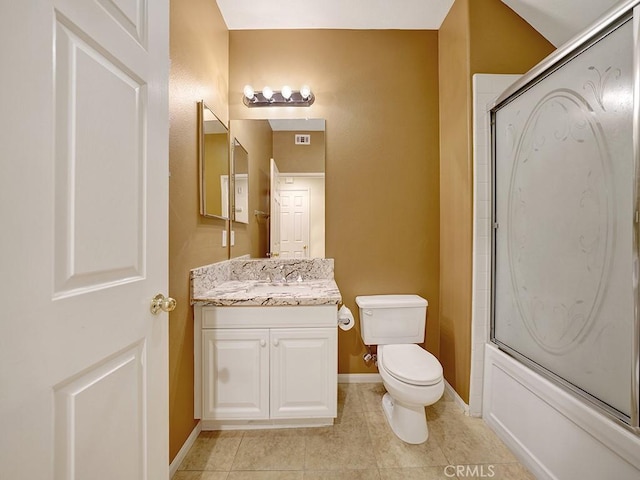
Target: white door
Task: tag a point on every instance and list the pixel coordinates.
(294, 223)
(235, 374)
(83, 243)
(304, 372)
(274, 214)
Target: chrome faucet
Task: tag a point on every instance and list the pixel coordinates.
(279, 277)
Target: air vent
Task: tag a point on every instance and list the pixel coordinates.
(303, 139)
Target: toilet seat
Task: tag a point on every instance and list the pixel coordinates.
(409, 363)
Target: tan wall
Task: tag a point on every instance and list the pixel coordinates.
(479, 36)
(381, 196)
(299, 158)
(455, 198)
(513, 47)
(199, 70)
(216, 161)
(257, 138)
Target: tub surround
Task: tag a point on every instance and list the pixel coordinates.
(265, 282)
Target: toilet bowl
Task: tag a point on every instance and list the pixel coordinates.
(413, 380)
(412, 376)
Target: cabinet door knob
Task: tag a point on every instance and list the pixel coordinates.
(263, 343)
(276, 342)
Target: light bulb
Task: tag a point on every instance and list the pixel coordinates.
(305, 92)
(286, 92)
(248, 92)
(267, 93)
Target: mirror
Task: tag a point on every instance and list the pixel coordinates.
(295, 182)
(240, 170)
(213, 153)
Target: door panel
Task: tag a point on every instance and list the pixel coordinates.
(130, 15)
(303, 372)
(236, 374)
(94, 400)
(99, 138)
(294, 223)
(83, 204)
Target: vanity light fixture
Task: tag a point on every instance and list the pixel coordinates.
(278, 98)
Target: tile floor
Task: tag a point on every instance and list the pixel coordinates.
(360, 445)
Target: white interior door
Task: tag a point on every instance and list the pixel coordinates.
(83, 249)
(294, 223)
(274, 214)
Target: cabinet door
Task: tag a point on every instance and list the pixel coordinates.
(235, 374)
(304, 372)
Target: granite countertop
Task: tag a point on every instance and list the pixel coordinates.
(265, 293)
(265, 282)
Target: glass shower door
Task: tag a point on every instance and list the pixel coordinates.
(564, 212)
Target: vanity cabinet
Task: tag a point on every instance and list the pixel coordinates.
(267, 363)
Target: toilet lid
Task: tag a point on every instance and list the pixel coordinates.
(411, 364)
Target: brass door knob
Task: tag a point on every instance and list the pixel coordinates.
(162, 303)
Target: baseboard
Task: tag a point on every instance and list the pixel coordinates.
(456, 398)
(191, 439)
(359, 378)
(212, 425)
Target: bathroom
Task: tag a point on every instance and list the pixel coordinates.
(399, 178)
(399, 175)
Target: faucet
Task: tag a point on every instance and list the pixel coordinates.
(279, 276)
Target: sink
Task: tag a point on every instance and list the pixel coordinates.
(278, 288)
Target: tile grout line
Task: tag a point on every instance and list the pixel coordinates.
(235, 454)
(364, 401)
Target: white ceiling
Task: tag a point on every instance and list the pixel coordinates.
(339, 14)
(290, 125)
(557, 20)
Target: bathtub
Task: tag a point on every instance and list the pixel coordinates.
(553, 433)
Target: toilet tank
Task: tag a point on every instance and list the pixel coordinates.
(387, 319)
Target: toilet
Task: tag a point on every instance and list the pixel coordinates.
(411, 375)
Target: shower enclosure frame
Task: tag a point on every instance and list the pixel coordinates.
(627, 11)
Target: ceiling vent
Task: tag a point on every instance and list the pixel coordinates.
(303, 139)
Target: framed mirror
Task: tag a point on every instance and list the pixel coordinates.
(240, 198)
(287, 165)
(213, 153)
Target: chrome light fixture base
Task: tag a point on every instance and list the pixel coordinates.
(278, 100)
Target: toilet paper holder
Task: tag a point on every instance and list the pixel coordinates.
(345, 318)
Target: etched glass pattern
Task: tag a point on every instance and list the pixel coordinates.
(563, 173)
